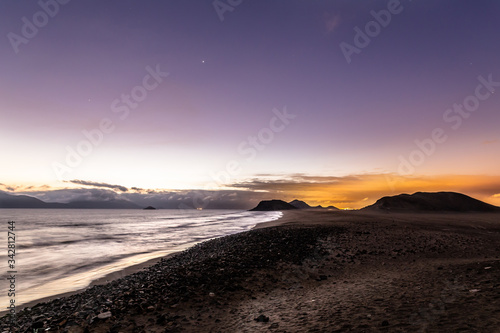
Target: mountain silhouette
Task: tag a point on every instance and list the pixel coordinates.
(24, 201)
(270, 205)
(432, 202)
(299, 204)
(303, 205)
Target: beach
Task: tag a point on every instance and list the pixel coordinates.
(310, 271)
(60, 252)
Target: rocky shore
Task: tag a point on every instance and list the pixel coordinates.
(316, 272)
(205, 273)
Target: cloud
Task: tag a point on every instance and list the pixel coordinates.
(8, 188)
(73, 194)
(489, 142)
(95, 184)
(190, 199)
(185, 199)
(332, 21)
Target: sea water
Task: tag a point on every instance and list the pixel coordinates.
(64, 250)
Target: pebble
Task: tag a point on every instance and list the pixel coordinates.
(104, 315)
(262, 319)
(37, 324)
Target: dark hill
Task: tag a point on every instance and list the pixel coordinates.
(329, 207)
(24, 201)
(299, 204)
(269, 205)
(303, 205)
(432, 202)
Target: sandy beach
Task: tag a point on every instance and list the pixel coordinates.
(311, 271)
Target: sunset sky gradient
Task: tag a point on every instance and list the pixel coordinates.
(349, 127)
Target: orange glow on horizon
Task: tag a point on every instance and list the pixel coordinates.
(360, 191)
(349, 192)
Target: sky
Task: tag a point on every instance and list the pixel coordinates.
(333, 102)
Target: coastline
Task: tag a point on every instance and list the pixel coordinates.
(100, 281)
(109, 277)
(308, 270)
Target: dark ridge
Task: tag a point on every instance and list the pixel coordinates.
(329, 207)
(270, 205)
(24, 201)
(432, 202)
(299, 204)
(303, 205)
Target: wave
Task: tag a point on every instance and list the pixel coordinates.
(67, 242)
(60, 255)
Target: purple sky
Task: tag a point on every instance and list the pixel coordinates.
(226, 78)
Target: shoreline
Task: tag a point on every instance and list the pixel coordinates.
(110, 277)
(99, 281)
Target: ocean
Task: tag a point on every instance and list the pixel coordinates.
(64, 250)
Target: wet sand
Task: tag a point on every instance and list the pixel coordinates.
(311, 271)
